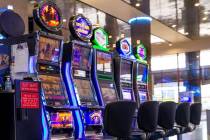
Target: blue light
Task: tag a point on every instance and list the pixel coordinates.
(45, 126)
(31, 64)
(74, 100)
(140, 19)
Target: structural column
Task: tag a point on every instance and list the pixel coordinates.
(141, 30)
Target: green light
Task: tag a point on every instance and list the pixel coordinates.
(141, 53)
(100, 39)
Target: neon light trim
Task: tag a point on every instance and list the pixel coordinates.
(100, 39)
(45, 126)
(141, 19)
(141, 53)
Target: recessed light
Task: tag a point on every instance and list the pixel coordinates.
(79, 10)
(137, 4)
(170, 44)
(197, 4)
(204, 18)
(10, 7)
(64, 20)
(174, 25)
(110, 36)
(206, 12)
(186, 33)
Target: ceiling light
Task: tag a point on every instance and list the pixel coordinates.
(197, 4)
(110, 36)
(64, 20)
(204, 18)
(140, 19)
(137, 4)
(174, 25)
(170, 44)
(186, 33)
(206, 12)
(10, 7)
(79, 10)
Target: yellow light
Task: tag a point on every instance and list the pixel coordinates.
(137, 4)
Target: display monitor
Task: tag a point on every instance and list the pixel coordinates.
(81, 57)
(61, 120)
(108, 91)
(104, 61)
(126, 68)
(53, 90)
(127, 94)
(83, 89)
(49, 49)
(142, 73)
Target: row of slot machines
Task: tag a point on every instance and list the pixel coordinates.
(77, 78)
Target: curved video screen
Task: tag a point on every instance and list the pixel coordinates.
(142, 73)
(108, 91)
(83, 89)
(126, 69)
(104, 61)
(81, 57)
(49, 49)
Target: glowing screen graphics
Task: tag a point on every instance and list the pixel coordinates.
(126, 69)
(127, 94)
(61, 120)
(48, 16)
(142, 73)
(49, 49)
(124, 47)
(100, 39)
(93, 117)
(108, 91)
(81, 57)
(81, 27)
(53, 90)
(104, 61)
(4, 60)
(141, 53)
(84, 90)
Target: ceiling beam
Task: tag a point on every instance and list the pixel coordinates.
(124, 11)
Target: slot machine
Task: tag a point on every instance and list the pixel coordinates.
(102, 68)
(77, 74)
(123, 69)
(140, 80)
(57, 113)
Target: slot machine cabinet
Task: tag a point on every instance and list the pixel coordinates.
(76, 69)
(123, 70)
(140, 80)
(102, 68)
(57, 115)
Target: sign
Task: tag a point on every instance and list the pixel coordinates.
(80, 27)
(141, 52)
(48, 16)
(124, 47)
(29, 92)
(29, 100)
(100, 39)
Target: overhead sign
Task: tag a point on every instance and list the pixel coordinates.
(100, 39)
(80, 27)
(124, 47)
(48, 16)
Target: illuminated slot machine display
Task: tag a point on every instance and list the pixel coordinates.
(123, 70)
(140, 80)
(77, 74)
(102, 68)
(57, 111)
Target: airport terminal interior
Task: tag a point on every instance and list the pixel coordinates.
(105, 69)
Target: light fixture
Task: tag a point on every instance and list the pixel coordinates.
(10, 7)
(79, 10)
(140, 19)
(173, 26)
(64, 20)
(197, 4)
(206, 12)
(170, 44)
(204, 18)
(186, 33)
(110, 36)
(137, 4)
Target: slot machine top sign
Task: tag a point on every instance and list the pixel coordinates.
(124, 47)
(80, 27)
(48, 16)
(100, 39)
(141, 53)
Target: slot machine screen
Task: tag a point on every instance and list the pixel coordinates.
(142, 73)
(104, 61)
(61, 120)
(108, 91)
(49, 49)
(127, 94)
(126, 68)
(53, 90)
(81, 57)
(83, 88)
